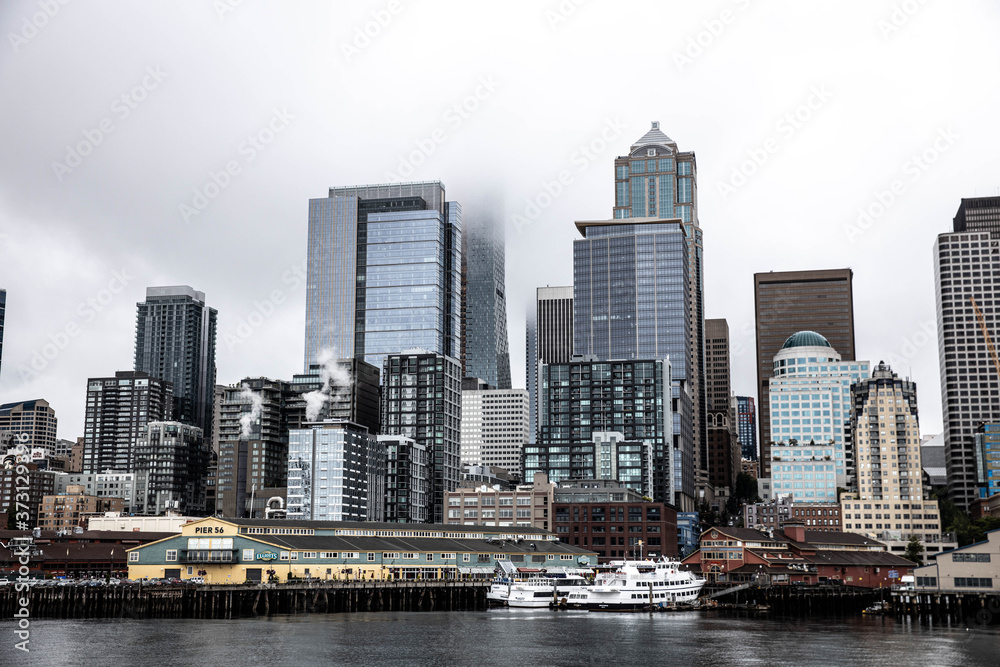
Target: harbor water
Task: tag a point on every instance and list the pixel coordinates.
(505, 637)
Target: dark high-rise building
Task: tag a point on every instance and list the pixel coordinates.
(253, 442)
(549, 341)
(422, 399)
(608, 456)
(967, 267)
(721, 453)
(406, 471)
(3, 310)
(174, 459)
(635, 398)
(384, 272)
(342, 390)
(175, 342)
(656, 180)
(118, 409)
(746, 413)
(787, 302)
(485, 351)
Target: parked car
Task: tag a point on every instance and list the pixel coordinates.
(196, 580)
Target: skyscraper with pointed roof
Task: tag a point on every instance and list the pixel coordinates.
(656, 180)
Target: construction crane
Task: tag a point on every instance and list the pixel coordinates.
(986, 334)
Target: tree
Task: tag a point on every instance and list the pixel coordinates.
(914, 549)
(745, 490)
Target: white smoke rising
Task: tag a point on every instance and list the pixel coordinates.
(256, 407)
(336, 383)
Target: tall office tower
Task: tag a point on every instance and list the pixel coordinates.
(253, 442)
(722, 455)
(485, 351)
(421, 399)
(175, 341)
(810, 394)
(630, 301)
(632, 397)
(118, 409)
(3, 310)
(787, 302)
(494, 428)
(384, 272)
(549, 340)
(406, 471)
(31, 423)
(336, 472)
(656, 180)
(218, 394)
(886, 438)
(746, 414)
(174, 458)
(967, 267)
(341, 389)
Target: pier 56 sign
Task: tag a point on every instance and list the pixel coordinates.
(267, 556)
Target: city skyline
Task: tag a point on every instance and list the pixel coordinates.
(245, 245)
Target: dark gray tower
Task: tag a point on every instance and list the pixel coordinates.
(175, 342)
(485, 351)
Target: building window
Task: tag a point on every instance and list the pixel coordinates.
(133, 557)
(171, 555)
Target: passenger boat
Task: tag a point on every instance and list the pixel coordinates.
(530, 587)
(544, 590)
(638, 584)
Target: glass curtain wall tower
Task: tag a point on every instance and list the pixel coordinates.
(384, 266)
(656, 180)
(485, 351)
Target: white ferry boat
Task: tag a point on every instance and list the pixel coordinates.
(530, 587)
(544, 590)
(638, 584)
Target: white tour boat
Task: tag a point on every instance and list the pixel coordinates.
(530, 587)
(638, 584)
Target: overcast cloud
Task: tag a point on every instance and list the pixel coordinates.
(207, 126)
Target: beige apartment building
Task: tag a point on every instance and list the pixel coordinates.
(526, 505)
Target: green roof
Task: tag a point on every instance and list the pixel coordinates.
(806, 339)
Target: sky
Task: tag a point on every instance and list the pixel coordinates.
(178, 143)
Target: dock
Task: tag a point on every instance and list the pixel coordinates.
(243, 601)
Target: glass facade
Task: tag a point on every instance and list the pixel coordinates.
(747, 418)
(988, 459)
(582, 399)
(336, 472)
(810, 401)
(485, 350)
(383, 272)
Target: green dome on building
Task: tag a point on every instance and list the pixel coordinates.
(806, 339)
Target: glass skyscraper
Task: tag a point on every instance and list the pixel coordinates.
(175, 342)
(485, 351)
(655, 180)
(384, 267)
(630, 301)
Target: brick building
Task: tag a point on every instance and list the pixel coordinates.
(613, 520)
